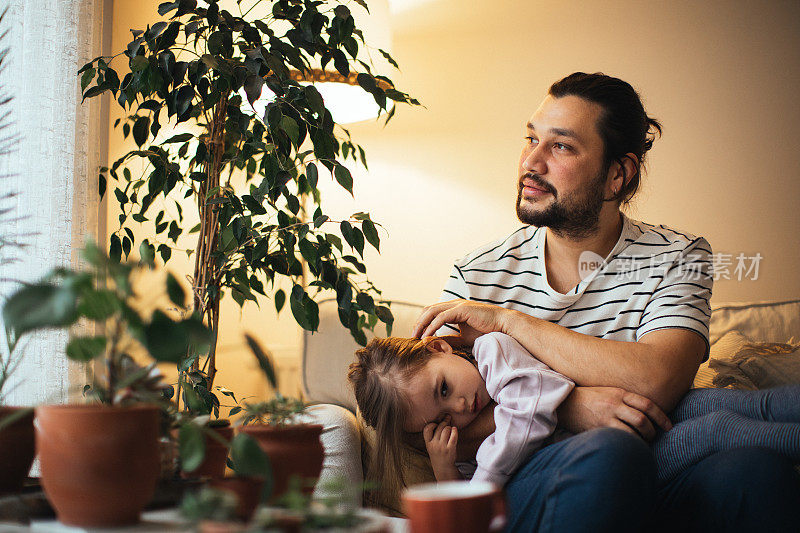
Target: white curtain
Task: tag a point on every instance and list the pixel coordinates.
(54, 168)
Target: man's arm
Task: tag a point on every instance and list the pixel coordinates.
(659, 366)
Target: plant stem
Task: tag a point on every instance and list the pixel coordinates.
(206, 284)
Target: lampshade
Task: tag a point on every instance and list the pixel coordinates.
(347, 102)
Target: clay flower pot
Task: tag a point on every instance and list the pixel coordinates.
(99, 464)
(213, 465)
(247, 491)
(16, 450)
(292, 450)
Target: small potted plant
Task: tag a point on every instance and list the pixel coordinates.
(100, 461)
(232, 499)
(203, 441)
(293, 447)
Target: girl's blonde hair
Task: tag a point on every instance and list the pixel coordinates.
(376, 376)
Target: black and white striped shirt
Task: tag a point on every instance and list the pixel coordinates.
(654, 278)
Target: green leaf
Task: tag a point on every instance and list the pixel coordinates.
(169, 340)
(87, 77)
(174, 231)
(385, 314)
(344, 178)
(40, 306)
(290, 127)
(263, 359)
(165, 251)
(252, 88)
(175, 291)
(315, 100)
(280, 299)
(140, 128)
(365, 302)
(368, 227)
(191, 446)
(99, 304)
(85, 348)
(181, 137)
(250, 460)
(388, 58)
(139, 63)
(312, 175)
(147, 252)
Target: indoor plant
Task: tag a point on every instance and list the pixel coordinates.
(293, 447)
(253, 179)
(100, 462)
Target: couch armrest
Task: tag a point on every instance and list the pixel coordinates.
(341, 439)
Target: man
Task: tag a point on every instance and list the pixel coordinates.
(622, 308)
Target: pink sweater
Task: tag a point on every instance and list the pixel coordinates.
(527, 393)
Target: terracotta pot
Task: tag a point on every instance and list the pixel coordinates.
(213, 465)
(99, 464)
(247, 491)
(16, 450)
(292, 450)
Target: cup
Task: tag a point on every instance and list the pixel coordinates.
(454, 507)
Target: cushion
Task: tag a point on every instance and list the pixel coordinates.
(328, 352)
(758, 321)
(724, 349)
(341, 439)
(759, 366)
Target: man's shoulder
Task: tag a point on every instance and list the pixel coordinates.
(517, 245)
(647, 237)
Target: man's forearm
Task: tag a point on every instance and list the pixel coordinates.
(659, 373)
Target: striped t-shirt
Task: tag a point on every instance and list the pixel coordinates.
(654, 278)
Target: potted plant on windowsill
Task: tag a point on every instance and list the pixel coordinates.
(100, 461)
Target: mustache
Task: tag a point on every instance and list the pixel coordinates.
(538, 181)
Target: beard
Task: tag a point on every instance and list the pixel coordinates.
(575, 216)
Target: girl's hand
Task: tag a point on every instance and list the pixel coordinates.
(440, 441)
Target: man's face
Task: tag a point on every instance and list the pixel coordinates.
(562, 178)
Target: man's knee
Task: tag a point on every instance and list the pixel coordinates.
(600, 480)
(621, 463)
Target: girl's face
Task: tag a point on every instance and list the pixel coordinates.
(446, 385)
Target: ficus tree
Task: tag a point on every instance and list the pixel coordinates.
(186, 83)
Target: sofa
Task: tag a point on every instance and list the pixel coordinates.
(753, 345)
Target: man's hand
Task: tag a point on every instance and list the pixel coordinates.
(473, 318)
(440, 441)
(593, 407)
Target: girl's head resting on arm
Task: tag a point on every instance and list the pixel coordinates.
(403, 384)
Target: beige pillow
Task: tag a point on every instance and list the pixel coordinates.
(722, 350)
(759, 366)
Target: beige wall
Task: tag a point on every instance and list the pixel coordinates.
(721, 76)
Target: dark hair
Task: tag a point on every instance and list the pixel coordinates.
(376, 377)
(624, 125)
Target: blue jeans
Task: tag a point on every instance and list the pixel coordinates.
(605, 480)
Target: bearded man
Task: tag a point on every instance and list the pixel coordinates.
(622, 308)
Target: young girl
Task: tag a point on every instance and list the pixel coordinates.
(411, 385)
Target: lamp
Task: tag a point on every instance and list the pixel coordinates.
(346, 101)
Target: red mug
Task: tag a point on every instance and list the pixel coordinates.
(454, 507)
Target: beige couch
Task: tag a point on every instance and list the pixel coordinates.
(766, 329)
